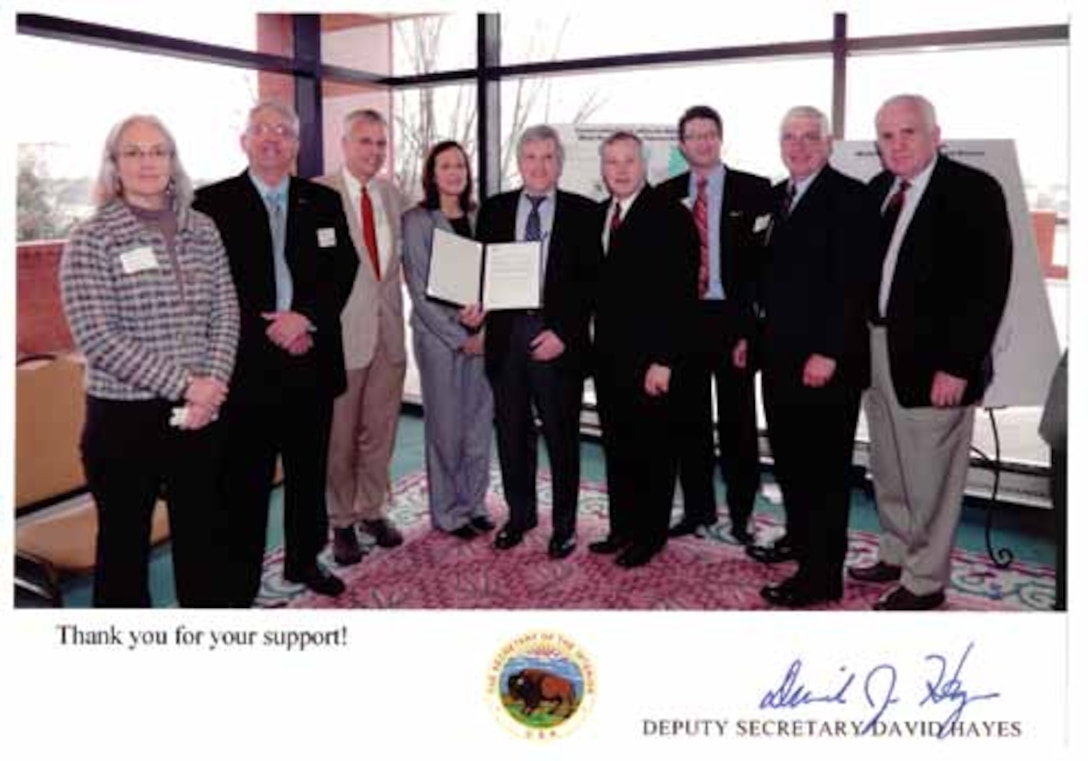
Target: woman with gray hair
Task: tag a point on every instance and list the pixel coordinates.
(148, 295)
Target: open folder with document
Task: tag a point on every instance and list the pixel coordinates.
(496, 275)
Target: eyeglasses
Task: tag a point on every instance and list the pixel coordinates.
(804, 137)
(136, 153)
(263, 129)
(694, 137)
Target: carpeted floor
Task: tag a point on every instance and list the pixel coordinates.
(434, 570)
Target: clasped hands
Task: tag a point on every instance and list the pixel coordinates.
(545, 346)
(203, 397)
(290, 331)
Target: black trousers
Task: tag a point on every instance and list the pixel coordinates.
(297, 429)
(554, 390)
(130, 455)
(711, 362)
(812, 438)
(639, 433)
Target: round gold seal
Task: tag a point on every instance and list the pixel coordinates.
(541, 685)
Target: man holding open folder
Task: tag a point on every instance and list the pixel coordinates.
(535, 358)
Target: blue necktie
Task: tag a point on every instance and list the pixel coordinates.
(278, 225)
(532, 223)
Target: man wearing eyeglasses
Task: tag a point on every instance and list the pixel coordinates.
(731, 209)
(815, 359)
(293, 266)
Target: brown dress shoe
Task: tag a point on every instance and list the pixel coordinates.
(385, 533)
(345, 546)
(878, 573)
(902, 598)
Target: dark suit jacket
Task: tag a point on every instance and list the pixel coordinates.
(819, 273)
(647, 283)
(951, 282)
(322, 276)
(573, 253)
(746, 197)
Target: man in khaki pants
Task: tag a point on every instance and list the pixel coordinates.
(365, 417)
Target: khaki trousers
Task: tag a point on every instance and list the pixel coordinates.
(919, 459)
(364, 431)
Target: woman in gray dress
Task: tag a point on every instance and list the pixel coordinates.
(457, 406)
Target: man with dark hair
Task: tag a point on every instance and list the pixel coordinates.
(293, 265)
(731, 210)
(536, 358)
(946, 248)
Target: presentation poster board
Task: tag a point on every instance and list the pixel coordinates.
(1025, 349)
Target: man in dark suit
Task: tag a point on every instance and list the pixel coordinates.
(818, 275)
(644, 299)
(729, 207)
(293, 265)
(947, 261)
(535, 359)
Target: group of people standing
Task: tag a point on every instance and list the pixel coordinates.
(275, 328)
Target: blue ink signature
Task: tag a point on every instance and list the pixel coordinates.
(879, 690)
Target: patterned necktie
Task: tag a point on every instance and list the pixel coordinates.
(787, 204)
(532, 223)
(278, 226)
(370, 235)
(700, 213)
(891, 215)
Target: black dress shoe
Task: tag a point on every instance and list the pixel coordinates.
(561, 547)
(797, 593)
(466, 532)
(384, 533)
(779, 552)
(686, 527)
(508, 538)
(636, 555)
(878, 573)
(482, 523)
(743, 536)
(318, 580)
(607, 546)
(345, 546)
(902, 598)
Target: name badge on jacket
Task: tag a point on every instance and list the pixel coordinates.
(138, 260)
(326, 237)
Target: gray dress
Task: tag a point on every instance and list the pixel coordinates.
(457, 406)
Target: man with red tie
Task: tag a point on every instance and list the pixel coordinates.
(729, 207)
(645, 295)
(946, 248)
(364, 424)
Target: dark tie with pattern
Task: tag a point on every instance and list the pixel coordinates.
(787, 204)
(701, 214)
(891, 215)
(532, 223)
(614, 225)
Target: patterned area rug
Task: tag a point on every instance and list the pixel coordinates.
(434, 570)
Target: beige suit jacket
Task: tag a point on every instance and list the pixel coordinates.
(375, 310)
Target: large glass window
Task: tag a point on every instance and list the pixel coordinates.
(606, 29)
(423, 116)
(751, 97)
(60, 142)
(234, 27)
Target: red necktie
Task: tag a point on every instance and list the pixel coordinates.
(699, 211)
(370, 236)
(614, 225)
